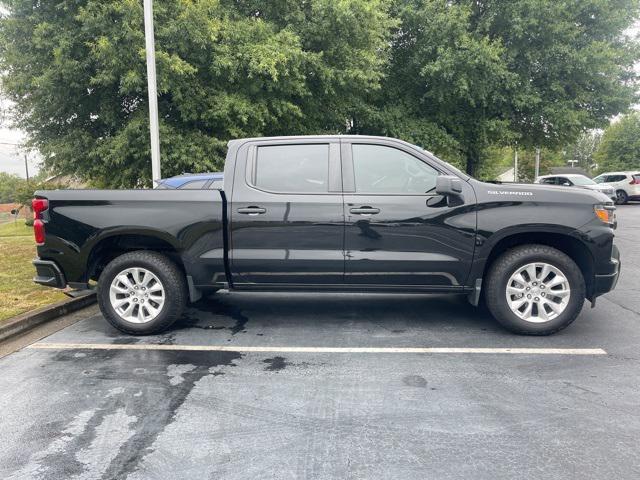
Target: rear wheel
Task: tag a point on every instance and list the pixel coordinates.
(141, 292)
(621, 197)
(535, 290)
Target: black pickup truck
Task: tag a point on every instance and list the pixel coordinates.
(332, 213)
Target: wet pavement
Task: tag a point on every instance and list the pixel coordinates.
(224, 394)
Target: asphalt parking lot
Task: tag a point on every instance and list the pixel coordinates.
(333, 386)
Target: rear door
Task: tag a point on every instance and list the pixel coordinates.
(287, 218)
(398, 231)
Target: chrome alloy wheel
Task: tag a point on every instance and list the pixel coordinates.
(137, 295)
(538, 292)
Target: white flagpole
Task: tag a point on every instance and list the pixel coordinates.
(153, 91)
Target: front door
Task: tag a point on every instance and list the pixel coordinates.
(287, 219)
(398, 231)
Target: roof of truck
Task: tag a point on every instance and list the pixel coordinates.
(327, 137)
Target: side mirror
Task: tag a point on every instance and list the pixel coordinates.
(448, 185)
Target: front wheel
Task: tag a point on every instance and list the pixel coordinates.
(141, 292)
(621, 197)
(535, 290)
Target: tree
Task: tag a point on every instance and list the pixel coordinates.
(9, 184)
(467, 74)
(583, 150)
(620, 146)
(574, 64)
(527, 160)
(445, 85)
(454, 76)
(226, 69)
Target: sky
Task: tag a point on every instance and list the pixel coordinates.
(12, 157)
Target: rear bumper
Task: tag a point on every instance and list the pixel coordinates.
(49, 274)
(606, 283)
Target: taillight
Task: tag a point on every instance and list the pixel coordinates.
(38, 231)
(635, 180)
(39, 205)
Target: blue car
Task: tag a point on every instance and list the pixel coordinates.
(193, 181)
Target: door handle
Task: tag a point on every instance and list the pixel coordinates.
(364, 211)
(252, 210)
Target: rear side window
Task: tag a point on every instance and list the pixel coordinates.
(387, 170)
(293, 168)
(616, 178)
(549, 181)
(194, 185)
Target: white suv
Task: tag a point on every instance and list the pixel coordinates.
(626, 184)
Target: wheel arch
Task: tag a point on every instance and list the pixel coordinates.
(116, 244)
(568, 244)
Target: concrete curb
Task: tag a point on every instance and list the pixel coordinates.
(27, 321)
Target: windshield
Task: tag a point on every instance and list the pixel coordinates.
(582, 181)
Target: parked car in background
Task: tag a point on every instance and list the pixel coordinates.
(625, 184)
(577, 180)
(193, 181)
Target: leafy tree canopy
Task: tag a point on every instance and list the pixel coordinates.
(455, 77)
(466, 74)
(9, 184)
(620, 145)
(226, 68)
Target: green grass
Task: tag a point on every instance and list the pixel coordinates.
(15, 229)
(18, 293)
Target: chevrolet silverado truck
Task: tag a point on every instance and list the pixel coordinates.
(328, 214)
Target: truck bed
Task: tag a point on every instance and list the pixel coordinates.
(82, 224)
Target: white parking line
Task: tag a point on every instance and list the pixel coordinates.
(230, 348)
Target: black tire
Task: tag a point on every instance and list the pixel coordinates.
(508, 263)
(165, 270)
(621, 197)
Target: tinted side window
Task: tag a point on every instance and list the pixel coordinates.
(380, 169)
(617, 178)
(293, 168)
(193, 185)
(549, 181)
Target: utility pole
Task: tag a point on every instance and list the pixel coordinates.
(153, 92)
(26, 167)
(537, 163)
(26, 164)
(515, 165)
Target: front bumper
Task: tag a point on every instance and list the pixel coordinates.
(49, 274)
(606, 283)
